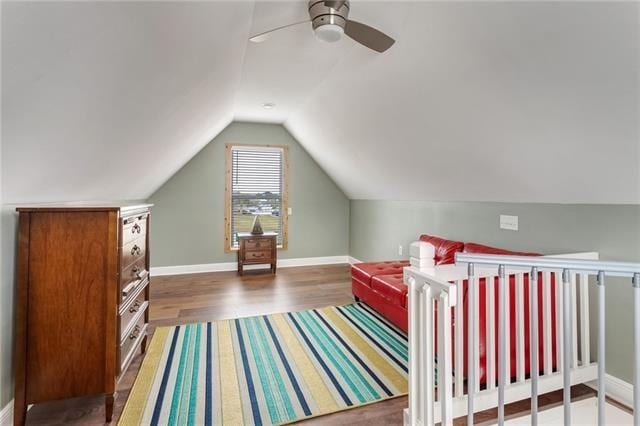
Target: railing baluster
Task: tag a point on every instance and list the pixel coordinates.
(507, 329)
(636, 344)
(533, 348)
(444, 356)
(502, 349)
(568, 356)
(520, 367)
(472, 341)
(459, 324)
(490, 334)
(476, 332)
(415, 351)
(546, 322)
(559, 316)
(429, 357)
(574, 320)
(585, 349)
(601, 350)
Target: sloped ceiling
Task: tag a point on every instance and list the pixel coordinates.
(106, 100)
(488, 101)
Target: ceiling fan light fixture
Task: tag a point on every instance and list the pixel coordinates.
(329, 33)
(330, 22)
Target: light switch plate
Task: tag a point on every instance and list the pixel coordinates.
(289, 211)
(509, 223)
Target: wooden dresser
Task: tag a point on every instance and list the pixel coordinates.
(257, 249)
(82, 300)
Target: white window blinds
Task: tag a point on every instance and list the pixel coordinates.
(257, 179)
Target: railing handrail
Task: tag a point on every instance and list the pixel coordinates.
(618, 269)
(438, 285)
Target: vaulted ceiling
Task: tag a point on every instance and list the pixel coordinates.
(488, 101)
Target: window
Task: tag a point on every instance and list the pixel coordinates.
(256, 185)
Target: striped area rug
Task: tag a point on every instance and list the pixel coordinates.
(270, 369)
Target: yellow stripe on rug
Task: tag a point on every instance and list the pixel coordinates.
(316, 385)
(134, 408)
(398, 380)
(270, 370)
(230, 393)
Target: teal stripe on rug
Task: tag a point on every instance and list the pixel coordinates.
(347, 370)
(315, 359)
(381, 327)
(183, 410)
(177, 392)
(279, 404)
(393, 343)
(193, 394)
(365, 387)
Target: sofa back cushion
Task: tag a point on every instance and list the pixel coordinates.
(482, 249)
(445, 250)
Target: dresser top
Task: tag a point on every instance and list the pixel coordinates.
(85, 206)
(250, 235)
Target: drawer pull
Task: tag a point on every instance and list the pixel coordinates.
(135, 250)
(133, 285)
(135, 333)
(135, 308)
(137, 271)
(136, 229)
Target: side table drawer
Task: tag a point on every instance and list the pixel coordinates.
(257, 244)
(254, 256)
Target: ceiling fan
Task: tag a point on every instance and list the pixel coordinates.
(329, 20)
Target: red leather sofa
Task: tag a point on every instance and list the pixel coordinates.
(380, 285)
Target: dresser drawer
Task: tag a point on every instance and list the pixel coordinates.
(130, 341)
(130, 308)
(133, 228)
(255, 256)
(133, 251)
(132, 277)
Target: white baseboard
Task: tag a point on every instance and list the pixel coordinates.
(6, 414)
(232, 266)
(353, 260)
(616, 389)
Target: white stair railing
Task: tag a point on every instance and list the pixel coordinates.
(435, 290)
(425, 291)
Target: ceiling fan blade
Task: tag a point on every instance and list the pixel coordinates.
(368, 36)
(335, 4)
(259, 38)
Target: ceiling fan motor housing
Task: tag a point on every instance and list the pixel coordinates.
(321, 14)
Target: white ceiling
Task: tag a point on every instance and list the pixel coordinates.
(106, 100)
(489, 101)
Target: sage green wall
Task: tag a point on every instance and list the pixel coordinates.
(378, 227)
(188, 216)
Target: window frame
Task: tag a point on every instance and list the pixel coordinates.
(228, 193)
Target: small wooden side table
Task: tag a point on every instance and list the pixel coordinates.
(257, 250)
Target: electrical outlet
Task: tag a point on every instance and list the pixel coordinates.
(509, 223)
(400, 250)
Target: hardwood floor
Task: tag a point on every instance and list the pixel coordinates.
(215, 296)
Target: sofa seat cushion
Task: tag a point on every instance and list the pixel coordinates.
(482, 249)
(445, 250)
(392, 287)
(363, 272)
